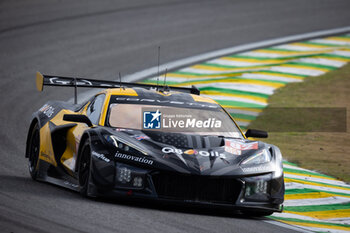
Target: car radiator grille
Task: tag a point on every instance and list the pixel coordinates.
(196, 188)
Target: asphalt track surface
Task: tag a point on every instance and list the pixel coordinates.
(98, 39)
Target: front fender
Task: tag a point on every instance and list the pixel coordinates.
(35, 120)
(277, 184)
(102, 166)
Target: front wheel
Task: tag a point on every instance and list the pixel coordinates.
(34, 148)
(84, 168)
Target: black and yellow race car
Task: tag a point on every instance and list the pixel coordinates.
(152, 142)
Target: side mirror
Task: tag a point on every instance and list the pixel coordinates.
(256, 133)
(77, 118)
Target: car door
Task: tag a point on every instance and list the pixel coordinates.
(93, 111)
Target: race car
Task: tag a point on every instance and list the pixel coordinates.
(162, 143)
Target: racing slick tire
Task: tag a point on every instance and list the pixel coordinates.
(84, 168)
(34, 148)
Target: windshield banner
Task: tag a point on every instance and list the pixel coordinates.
(186, 120)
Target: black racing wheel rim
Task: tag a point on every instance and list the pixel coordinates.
(34, 151)
(84, 167)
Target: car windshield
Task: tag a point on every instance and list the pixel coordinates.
(172, 119)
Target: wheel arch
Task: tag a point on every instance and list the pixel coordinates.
(84, 138)
(30, 131)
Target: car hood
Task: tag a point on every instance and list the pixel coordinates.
(193, 153)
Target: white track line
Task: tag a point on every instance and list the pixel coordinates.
(297, 168)
(300, 71)
(242, 87)
(235, 63)
(316, 179)
(322, 61)
(304, 217)
(269, 77)
(236, 49)
(330, 41)
(299, 48)
(219, 53)
(316, 201)
(296, 185)
(341, 53)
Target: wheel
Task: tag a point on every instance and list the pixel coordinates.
(34, 148)
(260, 213)
(84, 168)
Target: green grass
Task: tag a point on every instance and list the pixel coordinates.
(328, 151)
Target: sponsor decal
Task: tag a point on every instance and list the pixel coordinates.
(192, 123)
(152, 120)
(255, 169)
(123, 130)
(158, 120)
(47, 109)
(134, 158)
(191, 152)
(234, 147)
(168, 150)
(71, 184)
(141, 137)
(56, 80)
(100, 156)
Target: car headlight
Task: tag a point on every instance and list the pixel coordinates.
(124, 145)
(130, 177)
(261, 157)
(257, 188)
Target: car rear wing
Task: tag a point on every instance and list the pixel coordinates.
(52, 80)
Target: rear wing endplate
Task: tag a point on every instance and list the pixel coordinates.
(51, 80)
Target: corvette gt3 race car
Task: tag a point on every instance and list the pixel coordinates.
(152, 142)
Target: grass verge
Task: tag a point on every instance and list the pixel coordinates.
(326, 152)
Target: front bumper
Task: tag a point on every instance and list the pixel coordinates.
(127, 195)
(260, 192)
